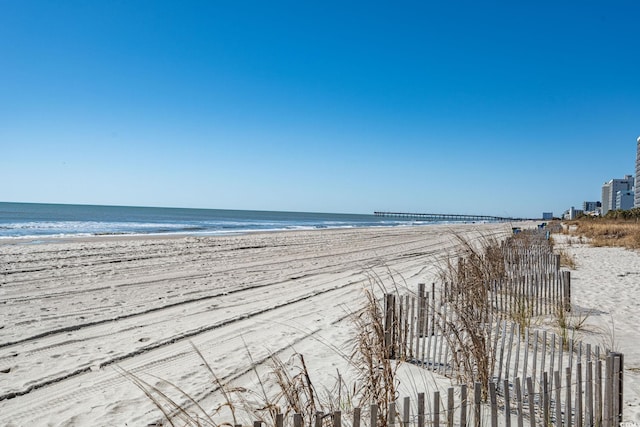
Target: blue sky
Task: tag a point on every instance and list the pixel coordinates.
(500, 108)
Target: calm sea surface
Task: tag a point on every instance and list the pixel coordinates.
(20, 220)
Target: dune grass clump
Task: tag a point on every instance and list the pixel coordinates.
(377, 373)
(604, 232)
(468, 324)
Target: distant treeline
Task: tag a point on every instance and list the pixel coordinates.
(630, 214)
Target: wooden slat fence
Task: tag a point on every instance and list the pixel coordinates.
(579, 402)
(426, 329)
(535, 377)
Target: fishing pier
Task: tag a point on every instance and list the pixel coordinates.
(444, 217)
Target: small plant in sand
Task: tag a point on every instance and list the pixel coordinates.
(569, 323)
(521, 312)
(609, 340)
(567, 259)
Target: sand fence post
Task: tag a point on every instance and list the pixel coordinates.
(389, 308)
(613, 401)
(373, 415)
(436, 408)
(406, 412)
(477, 404)
(494, 404)
(507, 404)
(450, 407)
(356, 417)
(337, 419)
(420, 409)
(519, 402)
(463, 405)
(556, 380)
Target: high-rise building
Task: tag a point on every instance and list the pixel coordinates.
(636, 201)
(624, 200)
(610, 192)
(591, 206)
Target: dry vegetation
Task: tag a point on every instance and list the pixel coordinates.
(607, 232)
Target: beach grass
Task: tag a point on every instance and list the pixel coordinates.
(603, 232)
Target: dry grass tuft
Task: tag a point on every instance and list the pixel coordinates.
(603, 232)
(377, 377)
(467, 326)
(567, 260)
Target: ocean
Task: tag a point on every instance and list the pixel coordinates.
(34, 220)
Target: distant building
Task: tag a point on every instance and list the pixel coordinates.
(575, 213)
(547, 216)
(610, 192)
(624, 200)
(637, 193)
(591, 206)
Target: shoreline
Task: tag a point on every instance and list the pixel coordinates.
(38, 240)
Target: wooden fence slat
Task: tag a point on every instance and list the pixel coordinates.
(519, 403)
(477, 402)
(463, 405)
(420, 409)
(578, 404)
(507, 404)
(450, 406)
(535, 355)
(551, 360)
(494, 404)
(391, 414)
(531, 396)
(526, 353)
(598, 394)
(337, 419)
(617, 389)
(502, 340)
(508, 365)
(406, 410)
(436, 409)
(558, 402)
(412, 331)
(543, 353)
(373, 415)
(588, 397)
(356, 417)
(545, 399)
(279, 420)
(567, 403)
(515, 368)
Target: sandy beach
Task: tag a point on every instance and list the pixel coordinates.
(74, 313)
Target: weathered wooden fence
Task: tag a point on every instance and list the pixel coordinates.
(432, 329)
(566, 382)
(578, 402)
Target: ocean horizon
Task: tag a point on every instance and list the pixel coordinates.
(39, 220)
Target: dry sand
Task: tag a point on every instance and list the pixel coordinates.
(72, 312)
